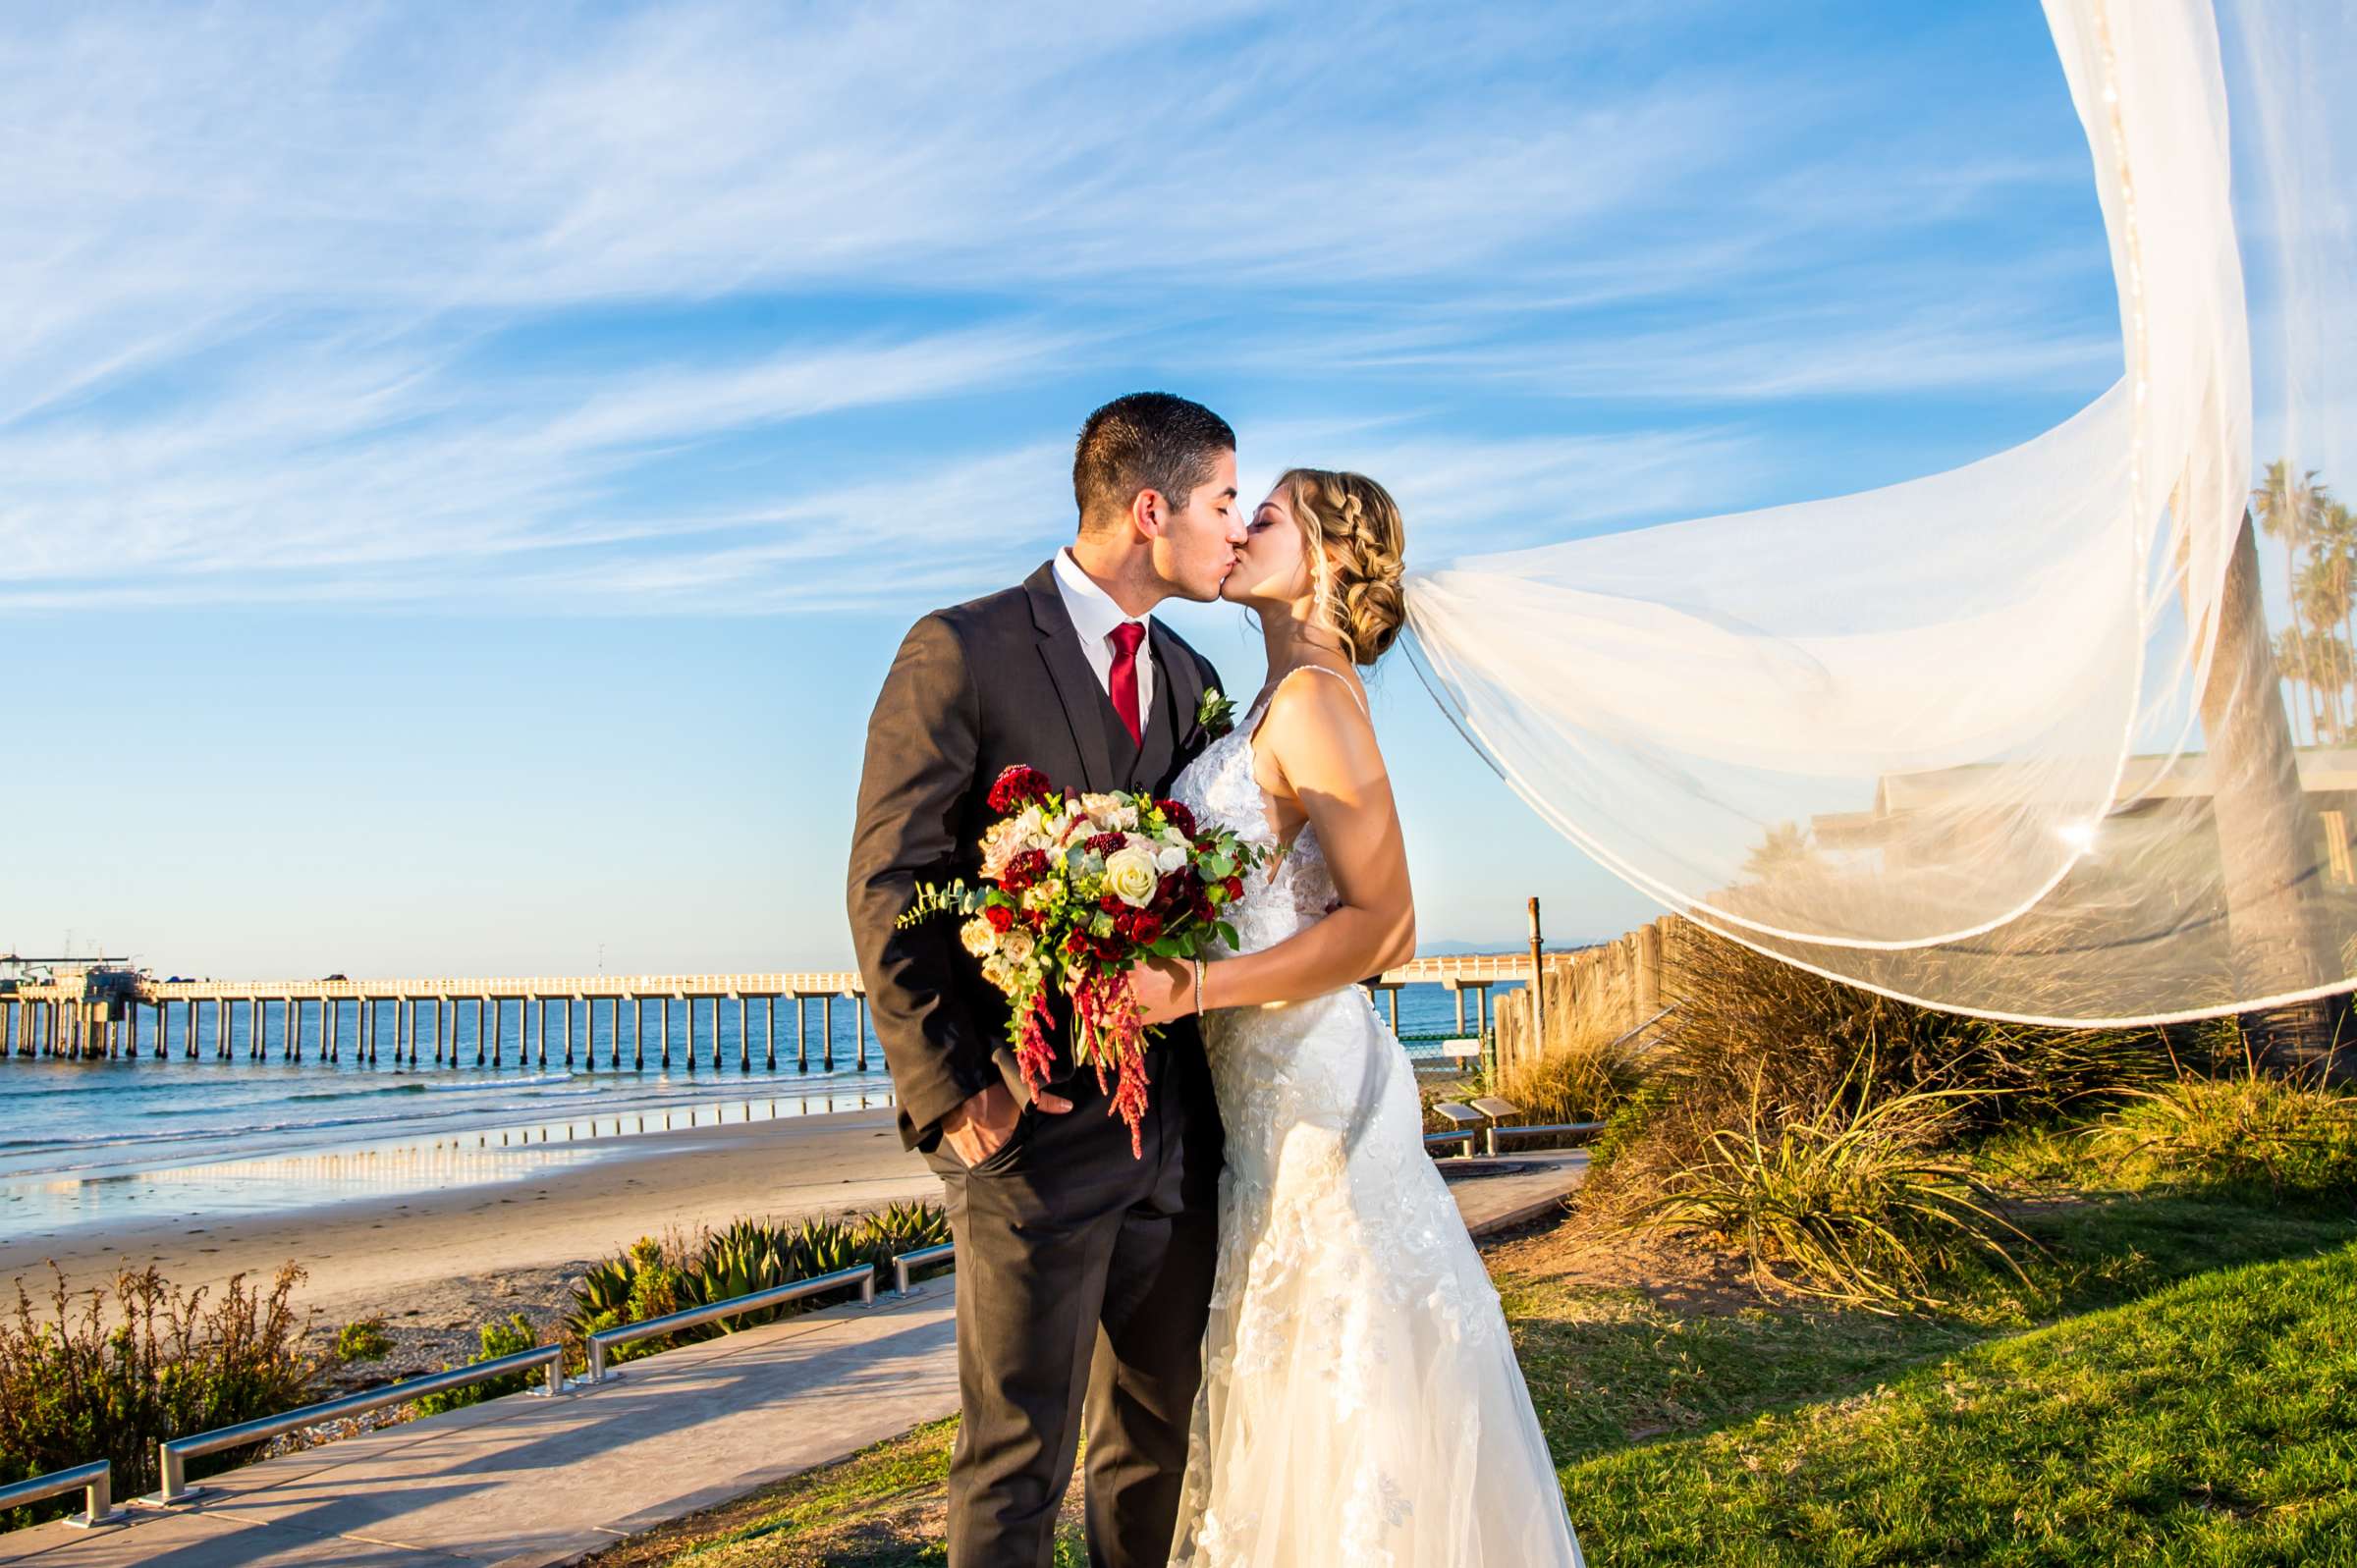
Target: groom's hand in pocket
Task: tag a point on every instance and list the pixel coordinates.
(980, 1127)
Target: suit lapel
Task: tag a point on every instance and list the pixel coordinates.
(1077, 688)
(1181, 683)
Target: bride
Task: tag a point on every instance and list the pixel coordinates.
(1361, 1399)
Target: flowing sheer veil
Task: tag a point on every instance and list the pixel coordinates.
(2005, 739)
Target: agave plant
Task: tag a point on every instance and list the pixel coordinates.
(602, 1299)
(898, 1228)
(825, 1246)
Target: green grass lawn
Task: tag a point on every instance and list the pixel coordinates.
(2214, 1421)
(2176, 1382)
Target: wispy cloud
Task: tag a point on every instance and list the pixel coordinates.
(458, 306)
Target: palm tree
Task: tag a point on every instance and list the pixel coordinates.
(2287, 508)
(1786, 848)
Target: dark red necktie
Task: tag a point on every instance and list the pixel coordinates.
(1123, 677)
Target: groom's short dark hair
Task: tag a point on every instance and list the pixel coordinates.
(1145, 441)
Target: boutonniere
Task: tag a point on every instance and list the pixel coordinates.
(1215, 713)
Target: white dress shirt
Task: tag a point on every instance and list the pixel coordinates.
(1094, 615)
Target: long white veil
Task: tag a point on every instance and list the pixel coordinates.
(2006, 740)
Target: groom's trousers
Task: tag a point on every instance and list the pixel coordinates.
(1083, 1282)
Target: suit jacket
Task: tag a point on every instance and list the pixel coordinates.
(976, 689)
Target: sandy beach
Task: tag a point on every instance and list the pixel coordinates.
(436, 1264)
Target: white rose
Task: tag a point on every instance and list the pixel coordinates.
(1170, 860)
(1131, 876)
(979, 937)
(1016, 945)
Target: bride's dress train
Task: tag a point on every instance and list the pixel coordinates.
(1360, 1404)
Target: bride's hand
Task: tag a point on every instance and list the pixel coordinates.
(1165, 990)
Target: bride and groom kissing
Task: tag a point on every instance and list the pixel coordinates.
(1269, 1322)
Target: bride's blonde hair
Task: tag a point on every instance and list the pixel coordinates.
(1352, 531)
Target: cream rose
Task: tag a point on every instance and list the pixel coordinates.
(979, 937)
(1016, 945)
(1131, 876)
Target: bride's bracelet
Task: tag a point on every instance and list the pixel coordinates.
(1198, 987)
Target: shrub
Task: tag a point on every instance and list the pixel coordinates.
(364, 1340)
(139, 1362)
(1626, 1128)
(498, 1339)
(1758, 1042)
(2246, 1135)
(1585, 1080)
(1849, 1205)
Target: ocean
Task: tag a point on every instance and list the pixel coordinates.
(92, 1141)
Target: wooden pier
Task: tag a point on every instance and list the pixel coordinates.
(100, 1013)
(116, 1012)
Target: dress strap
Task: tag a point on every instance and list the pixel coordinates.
(1347, 686)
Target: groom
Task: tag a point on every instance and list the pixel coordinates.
(1083, 1272)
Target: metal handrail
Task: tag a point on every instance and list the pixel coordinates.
(173, 1456)
(95, 1482)
(1498, 1131)
(908, 1261)
(1624, 1039)
(864, 1276)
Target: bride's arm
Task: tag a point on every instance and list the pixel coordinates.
(1325, 753)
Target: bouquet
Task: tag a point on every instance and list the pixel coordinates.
(1077, 889)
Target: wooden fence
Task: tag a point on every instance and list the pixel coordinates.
(1605, 990)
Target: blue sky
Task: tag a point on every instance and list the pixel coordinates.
(461, 479)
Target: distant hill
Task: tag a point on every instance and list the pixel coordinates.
(1458, 949)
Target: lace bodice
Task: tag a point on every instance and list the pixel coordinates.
(1282, 896)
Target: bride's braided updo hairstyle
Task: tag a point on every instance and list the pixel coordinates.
(1352, 527)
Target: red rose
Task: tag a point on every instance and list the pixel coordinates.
(1017, 788)
(1075, 942)
(1109, 903)
(1145, 928)
(1124, 921)
(1235, 888)
(998, 915)
(1180, 818)
(1023, 870)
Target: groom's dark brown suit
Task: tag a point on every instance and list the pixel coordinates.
(1081, 1271)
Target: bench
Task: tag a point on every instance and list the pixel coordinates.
(1498, 1110)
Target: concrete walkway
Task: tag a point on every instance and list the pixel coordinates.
(526, 1481)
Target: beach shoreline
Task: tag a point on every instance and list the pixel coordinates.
(438, 1261)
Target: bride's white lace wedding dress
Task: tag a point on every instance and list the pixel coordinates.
(1360, 1404)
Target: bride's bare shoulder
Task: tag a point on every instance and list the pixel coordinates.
(1318, 713)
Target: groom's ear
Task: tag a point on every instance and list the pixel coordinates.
(1149, 513)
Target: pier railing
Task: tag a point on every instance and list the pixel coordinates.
(174, 1455)
(94, 1481)
(604, 1339)
(924, 1257)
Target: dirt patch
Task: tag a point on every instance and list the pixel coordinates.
(1587, 1252)
(441, 1325)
